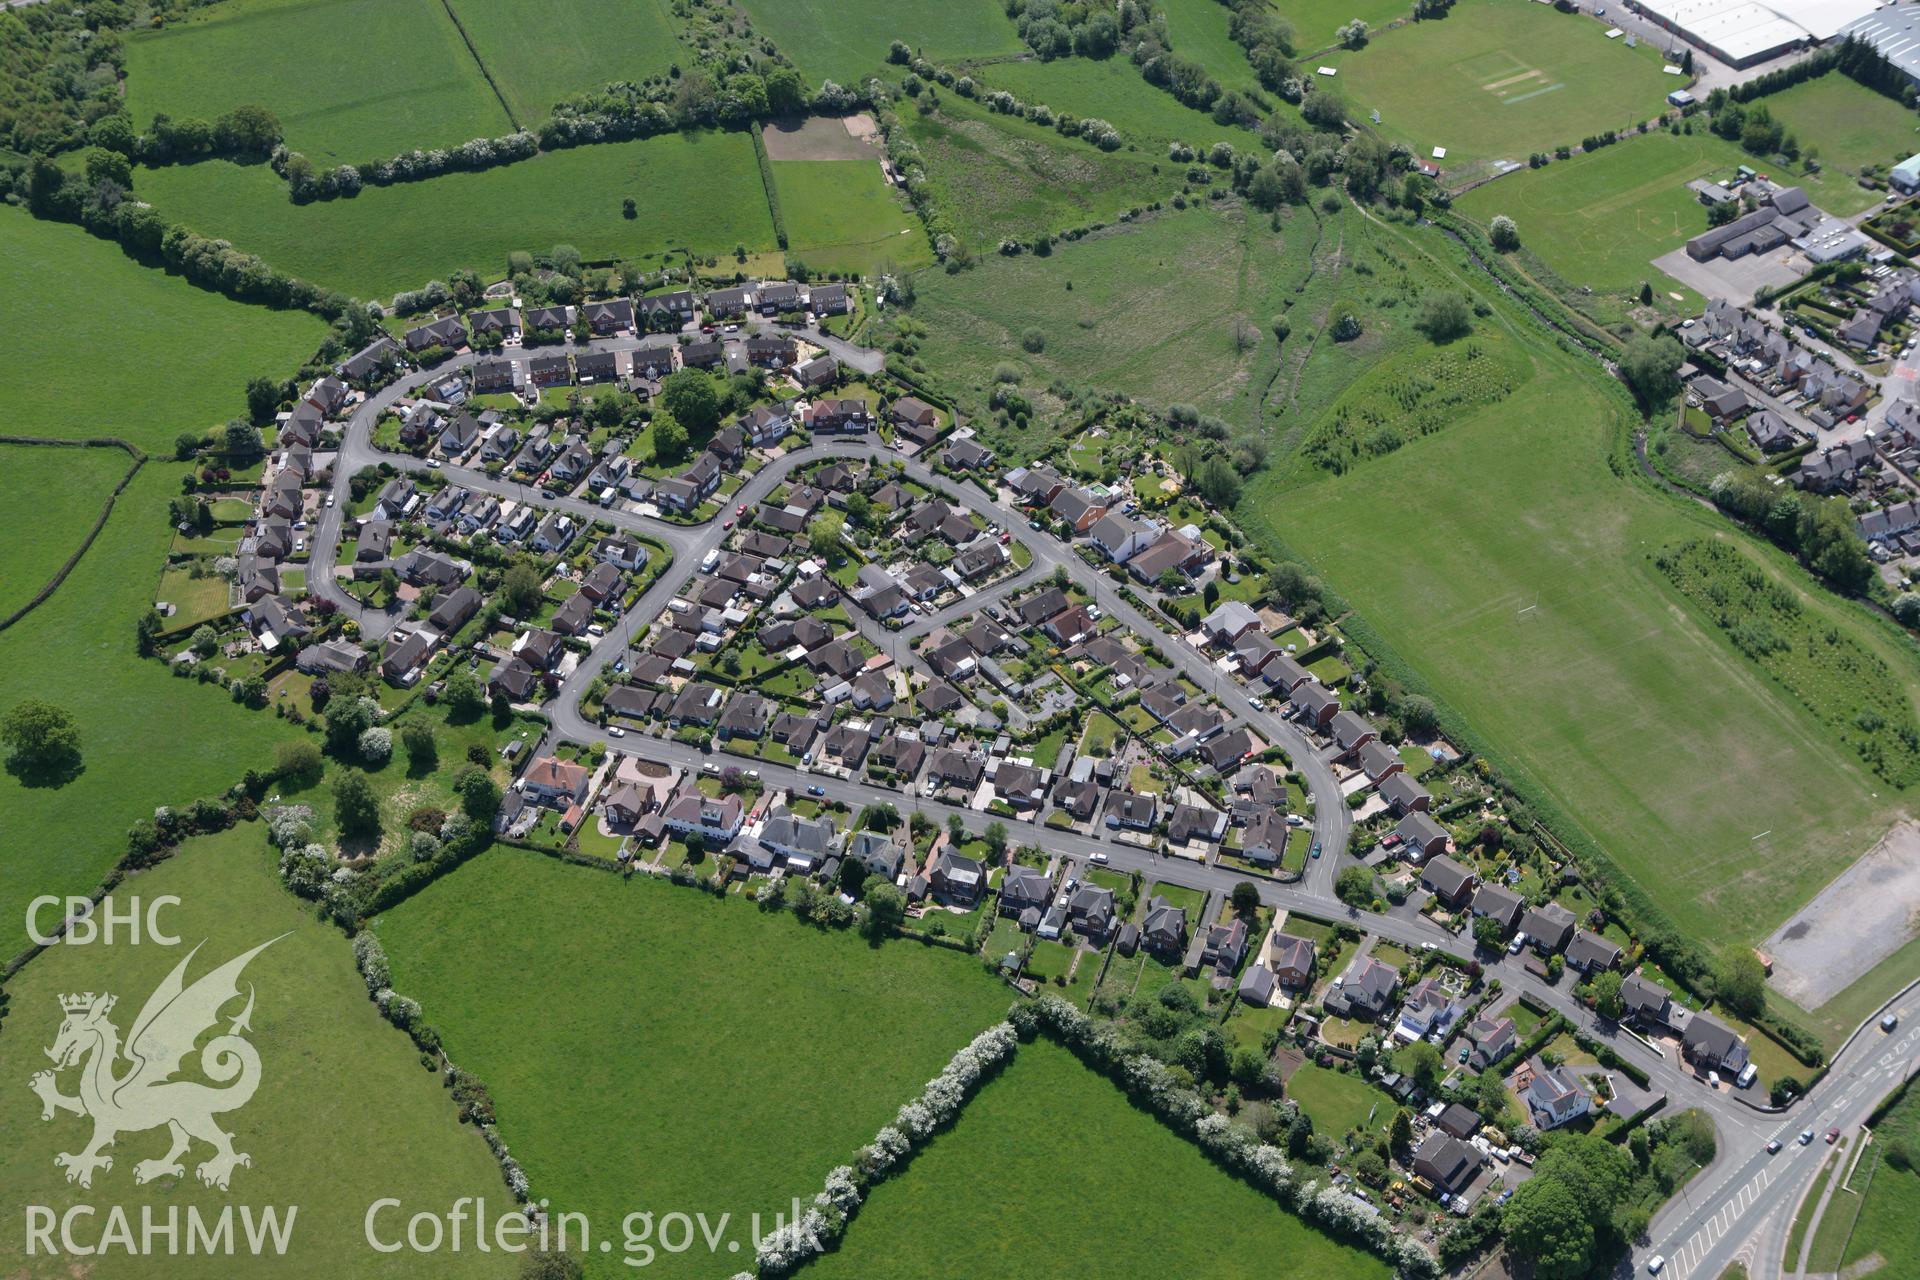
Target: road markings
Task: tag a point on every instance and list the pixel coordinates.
(1700, 1244)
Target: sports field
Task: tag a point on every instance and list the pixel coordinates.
(62, 280)
(994, 176)
(1607, 692)
(842, 216)
(1498, 79)
(49, 499)
(352, 81)
(1163, 1210)
(343, 1116)
(652, 1047)
(846, 40)
(1848, 124)
(695, 190)
(540, 51)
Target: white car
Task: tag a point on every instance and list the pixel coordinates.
(615, 731)
(329, 499)
(1656, 1264)
(434, 463)
(1099, 859)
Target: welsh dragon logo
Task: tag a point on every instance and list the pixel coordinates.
(145, 1095)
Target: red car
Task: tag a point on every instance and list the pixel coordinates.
(740, 510)
(1833, 1136)
(728, 524)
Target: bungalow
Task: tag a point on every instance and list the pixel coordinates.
(1591, 953)
(447, 331)
(1448, 1164)
(330, 656)
(1225, 752)
(1646, 1000)
(1496, 903)
(980, 559)
(955, 768)
(1191, 822)
(1423, 836)
(1449, 882)
(1379, 761)
(1132, 811)
(610, 316)
(553, 781)
(668, 310)
(911, 411)
(371, 360)
(967, 454)
(622, 551)
(1035, 486)
(880, 853)
(1019, 785)
(1548, 927)
(553, 535)
(698, 704)
(1228, 622)
(1170, 552)
(514, 678)
(276, 618)
(375, 540)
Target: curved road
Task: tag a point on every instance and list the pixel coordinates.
(1745, 1213)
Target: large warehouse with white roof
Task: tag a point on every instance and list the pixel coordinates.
(1743, 32)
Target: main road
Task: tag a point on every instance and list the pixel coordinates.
(1698, 1231)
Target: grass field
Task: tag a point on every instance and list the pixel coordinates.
(1644, 722)
(403, 80)
(1197, 29)
(49, 498)
(842, 216)
(1889, 1221)
(1317, 22)
(1162, 1210)
(1112, 90)
(344, 1114)
(146, 738)
(1848, 124)
(1148, 309)
(60, 279)
(994, 176)
(541, 51)
(847, 40)
(650, 1046)
(700, 191)
(1498, 79)
(1599, 220)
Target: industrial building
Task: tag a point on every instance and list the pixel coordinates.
(1895, 32)
(1741, 33)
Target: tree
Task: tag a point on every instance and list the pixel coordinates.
(1503, 233)
(1651, 367)
(479, 793)
(1418, 716)
(1906, 609)
(883, 909)
(1444, 317)
(1423, 1062)
(543, 1264)
(956, 829)
(1490, 1093)
(786, 92)
(853, 877)
(299, 758)
(859, 509)
(464, 695)
(1401, 1134)
(42, 740)
(242, 442)
(1741, 982)
(263, 397)
(103, 165)
(689, 396)
(417, 737)
(1545, 1225)
(355, 805)
(520, 589)
(996, 838)
(824, 533)
(669, 437)
(1646, 293)
(1245, 898)
(1488, 933)
(1354, 886)
(1606, 996)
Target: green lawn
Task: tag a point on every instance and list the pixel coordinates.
(541, 51)
(1499, 79)
(1339, 1102)
(52, 496)
(1848, 124)
(60, 279)
(147, 738)
(649, 1045)
(842, 216)
(1611, 696)
(1317, 22)
(994, 176)
(317, 1141)
(1197, 29)
(698, 190)
(1147, 309)
(1112, 90)
(1162, 1210)
(352, 81)
(847, 40)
